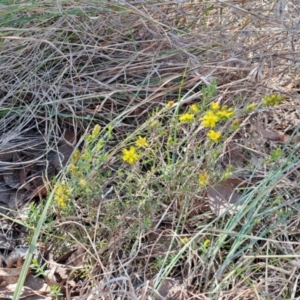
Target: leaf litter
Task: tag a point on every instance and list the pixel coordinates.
(26, 166)
(223, 196)
(34, 288)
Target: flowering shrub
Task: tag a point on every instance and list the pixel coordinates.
(143, 162)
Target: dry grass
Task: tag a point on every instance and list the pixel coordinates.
(71, 65)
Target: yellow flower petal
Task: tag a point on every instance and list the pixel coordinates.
(250, 107)
(206, 243)
(210, 119)
(62, 194)
(185, 240)
(215, 106)
(194, 109)
(82, 183)
(226, 113)
(203, 179)
(170, 104)
(272, 99)
(74, 169)
(141, 142)
(75, 156)
(186, 117)
(154, 123)
(129, 155)
(214, 135)
(96, 131)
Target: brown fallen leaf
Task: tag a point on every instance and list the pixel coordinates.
(6, 194)
(9, 275)
(223, 196)
(18, 198)
(74, 258)
(12, 178)
(6, 156)
(17, 157)
(270, 135)
(65, 149)
(7, 152)
(36, 284)
(6, 243)
(56, 274)
(16, 257)
(70, 137)
(170, 289)
(160, 241)
(33, 289)
(59, 270)
(235, 157)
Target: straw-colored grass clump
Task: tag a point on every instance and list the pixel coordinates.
(175, 107)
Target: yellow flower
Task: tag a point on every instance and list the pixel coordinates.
(73, 168)
(215, 106)
(272, 99)
(62, 194)
(75, 156)
(227, 173)
(235, 124)
(194, 109)
(129, 155)
(141, 142)
(154, 123)
(277, 153)
(250, 107)
(226, 113)
(86, 156)
(206, 243)
(99, 145)
(203, 179)
(82, 183)
(170, 104)
(214, 135)
(184, 240)
(186, 117)
(170, 141)
(96, 131)
(210, 119)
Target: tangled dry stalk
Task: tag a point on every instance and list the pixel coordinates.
(66, 66)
